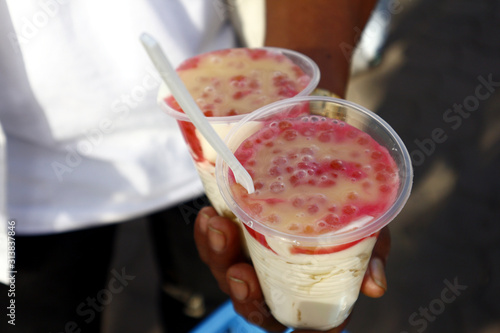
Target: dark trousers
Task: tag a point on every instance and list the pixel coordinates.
(64, 281)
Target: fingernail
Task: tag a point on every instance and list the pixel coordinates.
(377, 272)
(204, 222)
(239, 288)
(216, 239)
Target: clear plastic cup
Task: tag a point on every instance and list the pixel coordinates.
(317, 288)
(202, 153)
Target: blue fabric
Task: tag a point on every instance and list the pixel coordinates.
(226, 320)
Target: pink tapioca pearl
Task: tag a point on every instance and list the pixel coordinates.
(385, 189)
(307, 151)
(352, 195)
(275, 171)
(256, 208)
(240, 94)
(332, 219)
(337, 165)
(288, 91)
(376, 155)
(349, 209)
(303, 165)
(284, 124)
(296, 178)
(298, 202)
(280, 160)
(326, 182)
(332, 208)
(279, 78)
(273, 219)
(257, 54)
(277, 187)
(243, 155)
(254, 84)
(321, 227)
(381, 177)
(247, 144)
(238, 79)
(313, 209)
(290, 135)
(362, 141)
(356, 174)
(258, 185)
(267, 134)
(308, 229)
(325, 136)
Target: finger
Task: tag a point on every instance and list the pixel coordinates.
(383, 245)
(200, 231)
(224, 248)
(374, 282)
(248, 299)
(219, 244)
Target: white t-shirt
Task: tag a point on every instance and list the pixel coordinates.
(86, 142)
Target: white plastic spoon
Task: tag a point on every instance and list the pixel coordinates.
(189, 106)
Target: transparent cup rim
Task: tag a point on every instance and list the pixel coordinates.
(340, 238)
(232, 119)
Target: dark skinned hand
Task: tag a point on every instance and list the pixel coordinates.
(219, 245)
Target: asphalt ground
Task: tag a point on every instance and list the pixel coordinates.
(438, 86)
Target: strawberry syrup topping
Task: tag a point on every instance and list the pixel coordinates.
(315, 176)
(235, 81)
